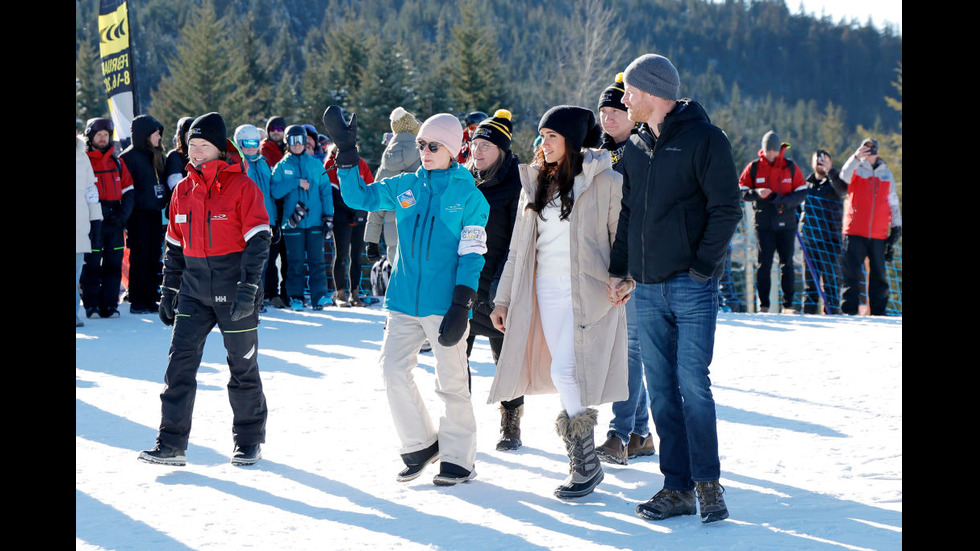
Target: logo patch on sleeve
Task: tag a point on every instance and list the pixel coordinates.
(406, 199)
(180, 218)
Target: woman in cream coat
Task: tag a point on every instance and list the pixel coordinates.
(560, 331)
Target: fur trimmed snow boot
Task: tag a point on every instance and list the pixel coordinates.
(584, 472)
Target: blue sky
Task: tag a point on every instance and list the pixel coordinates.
(881, 11)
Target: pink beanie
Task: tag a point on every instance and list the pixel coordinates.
(445, 129)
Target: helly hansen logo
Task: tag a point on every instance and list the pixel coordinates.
(219, 216)
(220, 298)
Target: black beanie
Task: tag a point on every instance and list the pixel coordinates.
(496, 130)
(576, 124)
(275, 121)
(612, 96)
(210, 127)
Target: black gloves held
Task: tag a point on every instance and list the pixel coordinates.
(244, 304)
(344, 134)
(893, 236)
(372, 252)
(327, 223)
(168, 302)
(456, 320)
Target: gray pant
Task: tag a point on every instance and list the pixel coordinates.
(456, 434)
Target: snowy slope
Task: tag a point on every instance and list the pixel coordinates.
(810, 431)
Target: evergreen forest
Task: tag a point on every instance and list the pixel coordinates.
(753, 64)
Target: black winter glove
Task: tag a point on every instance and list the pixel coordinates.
(168, 301)
(244, 304)
(372, 252)
(893, 236)
(327, 223)
(456, 320)
(344, 134)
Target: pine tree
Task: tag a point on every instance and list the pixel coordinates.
(475, 74)
(90, 98)
(388, 82)
(204, 76)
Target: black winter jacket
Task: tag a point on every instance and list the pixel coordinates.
(681, 201)
(503, 193)
(149, 186)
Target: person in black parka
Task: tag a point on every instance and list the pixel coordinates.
(494, 167)
(145, 160)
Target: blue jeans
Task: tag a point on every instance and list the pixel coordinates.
(632, 415)
(677, 337)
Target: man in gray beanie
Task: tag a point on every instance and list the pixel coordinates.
(680, 210)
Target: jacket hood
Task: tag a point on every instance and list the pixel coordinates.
(780, 159)
(594, 161)
(208, 172)
(143, 127)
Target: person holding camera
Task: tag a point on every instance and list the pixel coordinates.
(872, 226)
(821, 233)
(301, 182)
(217, 246)
(775, 185)
(441, 218)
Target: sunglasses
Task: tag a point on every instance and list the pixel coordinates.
(246, 143)
(276, 129)
(433, 146)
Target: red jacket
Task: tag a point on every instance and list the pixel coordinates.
(271, 151)
(214, 212)
(113, 178)
(871, 207)
(779, 210)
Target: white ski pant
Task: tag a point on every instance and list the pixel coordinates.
(554, 295)
(456, 434)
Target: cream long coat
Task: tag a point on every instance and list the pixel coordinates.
(524, 365)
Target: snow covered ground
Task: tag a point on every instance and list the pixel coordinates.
(810, 431)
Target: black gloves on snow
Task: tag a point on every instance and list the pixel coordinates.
(344, 134)
(372, 252)
(244, 304)
(168, 301)
(456, 320)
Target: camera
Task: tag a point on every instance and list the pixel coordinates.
(872, 147)
(299, 213)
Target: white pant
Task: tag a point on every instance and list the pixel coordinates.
(557, 321)
(456, 435)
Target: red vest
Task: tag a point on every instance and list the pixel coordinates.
(866, 209)
(112, 176)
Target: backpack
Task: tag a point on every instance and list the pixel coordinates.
(380, 274)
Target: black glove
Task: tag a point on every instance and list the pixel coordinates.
(244, 304)
(327, 223)
(276, 233)
(456, 320)
(893, 236)
(372, 252)
(344, 134)
(168, 301)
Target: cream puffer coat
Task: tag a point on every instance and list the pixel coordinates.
(524, 365)
(87, 207)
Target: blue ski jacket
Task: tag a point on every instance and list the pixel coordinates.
(285, 185)
(261, 174)
(441, 218)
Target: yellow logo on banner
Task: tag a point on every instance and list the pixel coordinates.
(114, 31)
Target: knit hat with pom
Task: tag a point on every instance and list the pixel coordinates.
(403, 121)
(445, 129)
(612, 96)
(496, 130)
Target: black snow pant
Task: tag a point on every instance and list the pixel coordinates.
(348, 243)
(856, 249)
(192, 325)
(102, 272)
(144, 237)
(770, 242)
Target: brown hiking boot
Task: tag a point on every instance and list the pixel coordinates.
(711, 502)
(668, 503)
(510, 428)
(612, 451)
(640, 446)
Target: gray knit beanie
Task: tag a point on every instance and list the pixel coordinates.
(655, 75)
(771, 141)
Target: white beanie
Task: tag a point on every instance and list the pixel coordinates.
(445, 129)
